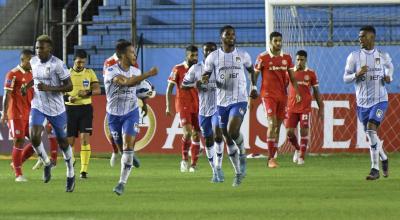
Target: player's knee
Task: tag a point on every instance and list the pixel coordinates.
(290, 133)
(63, 143)
(218, 138)
(18, 142)
(304, 132)
(209, 142)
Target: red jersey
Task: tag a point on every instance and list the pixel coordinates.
(113, 60)
(274, 73)
(305, 80)
(19, 106)
(186, 99)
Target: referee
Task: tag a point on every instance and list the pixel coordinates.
(79, 107)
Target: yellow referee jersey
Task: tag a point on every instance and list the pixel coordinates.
(81, 81)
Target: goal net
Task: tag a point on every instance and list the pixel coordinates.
(329, 33)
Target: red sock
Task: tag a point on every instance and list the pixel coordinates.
(185, 149)
(194, 150)
(17, 160)
(294, 142)
(303, 146)
(53, 149)
(271, 148)
(27, 152)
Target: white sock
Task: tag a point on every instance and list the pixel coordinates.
(67, 154)
(374, 149)
(126, 165)
(42, 154)
(219, 153)
(382, 153)
(210, 152)
(239, 142)
(233, 152)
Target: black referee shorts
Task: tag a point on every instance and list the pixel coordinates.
(80, 119)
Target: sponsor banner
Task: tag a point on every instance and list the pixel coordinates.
(338, 131)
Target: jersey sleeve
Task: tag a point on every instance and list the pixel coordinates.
(259, 64)
(350, 69)
(247, 60)
(190, 78)
(290, 63)
(109, 74)
(62, 71)
(93, 77)
(9, 81)
(388, 65)
(173, 76)
(209, 63)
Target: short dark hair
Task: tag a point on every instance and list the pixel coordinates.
(26, 52)
(210, 44)
(121, 40)
(191, 48)
(80, 53)
(368, 28)
(274, 34)
(121, 47)
(302, 53)
(45, 39)
(224, 28)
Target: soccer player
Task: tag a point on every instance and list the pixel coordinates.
(208, 116)
(50, 80)
(186, 104)
(122, 109)
(370, 69)
(300, 112)
(228, 63)
(275, 66)
(107, 63)
(79, 107)
(16, 109)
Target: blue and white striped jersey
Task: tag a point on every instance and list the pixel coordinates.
(207, 93)
(370, 88)
(120, 99)
(51, 73)
(230, 74)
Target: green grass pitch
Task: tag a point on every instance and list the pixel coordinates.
(326, 187)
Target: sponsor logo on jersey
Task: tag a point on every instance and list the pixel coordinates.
(85, 83)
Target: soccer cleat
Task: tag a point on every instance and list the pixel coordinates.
(119, 189)
(296, 156)
(192, 169)
(243, 165)
(373, 175)
(47, 173)
(184, 166)
(83, 175)
(214, 178)
(20, 178)
(136, 162)
(70, 184)
(385, 168)
(272, 163)
(113, 159)
(38, 164)
(300, 161)
(220, 175)
(237, 180)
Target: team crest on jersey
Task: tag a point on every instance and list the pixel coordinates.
(379, 113)
(284, 62)
(238, 60)
(241, 111)
(377, 61)
(85, 83)
(306, 77)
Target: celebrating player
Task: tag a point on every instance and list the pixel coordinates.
(186, 104)
(370, 69)
(228, 64)
(300, 112)
(79, 107)
(274, 66)
(208, 116)
(122, 109)
(51, 79)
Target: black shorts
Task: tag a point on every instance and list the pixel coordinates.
(80, 119)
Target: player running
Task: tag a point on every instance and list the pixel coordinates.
(228, 64)
(370, 69)
(275, 66)
(208, 116)
(186, 104)
(122, 109)
(300, 112)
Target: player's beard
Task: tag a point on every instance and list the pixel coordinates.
(191, 62)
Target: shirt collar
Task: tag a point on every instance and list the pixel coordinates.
(272, 55)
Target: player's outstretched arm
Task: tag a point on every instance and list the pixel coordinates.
(168, 93)
(134, 80)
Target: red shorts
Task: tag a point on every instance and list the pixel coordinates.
(18, 128)
(187, 118)
(275, 107)
(294, 118)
